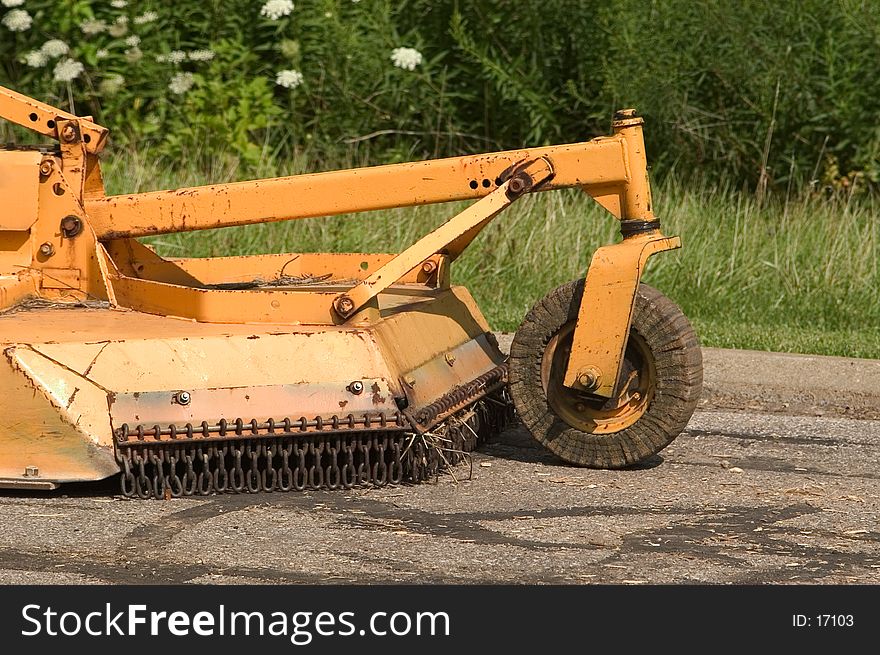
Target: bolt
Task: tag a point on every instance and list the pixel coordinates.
(71, 226)
(410, 381)
(516, 185)
(429, 267)
(31, 472)
(47, 249)
(356, 387)
(68, 133)
(183, 397)
(344, 305)
(580, 407)
(450, 358)
(589, 379)
(636, 396)
(46, 166)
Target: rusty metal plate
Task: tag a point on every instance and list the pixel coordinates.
(294, 402)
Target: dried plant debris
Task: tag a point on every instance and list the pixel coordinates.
(32, 303)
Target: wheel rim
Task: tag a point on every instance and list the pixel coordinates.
(636, 385)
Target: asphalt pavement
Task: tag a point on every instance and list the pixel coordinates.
(779, 492)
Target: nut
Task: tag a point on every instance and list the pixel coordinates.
(71, 226)
(356, 387)
(183, 397)
(31, 472)
(429, 267)
(47, 249)
(46, 166)
(589, 378)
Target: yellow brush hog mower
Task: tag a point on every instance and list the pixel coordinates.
(294, 371)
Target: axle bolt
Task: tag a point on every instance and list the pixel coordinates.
(589, 379)
(182, 397)
(47, 249)
(356, 387)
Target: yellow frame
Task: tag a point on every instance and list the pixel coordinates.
(80, 243)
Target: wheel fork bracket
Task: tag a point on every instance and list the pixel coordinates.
(603, 323)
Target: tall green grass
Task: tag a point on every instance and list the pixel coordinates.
(796, 275)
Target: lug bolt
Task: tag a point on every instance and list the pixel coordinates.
(356, 387)
(183, 397)
(47, 249)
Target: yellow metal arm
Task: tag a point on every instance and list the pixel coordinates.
(456, 234)
(43, 119)
(601, 167)
(602, 329)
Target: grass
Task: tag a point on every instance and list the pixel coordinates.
(791, 275)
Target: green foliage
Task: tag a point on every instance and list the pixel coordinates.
(758, 94)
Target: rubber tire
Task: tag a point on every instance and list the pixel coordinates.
(678, 363)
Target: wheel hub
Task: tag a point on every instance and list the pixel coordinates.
(585, 412)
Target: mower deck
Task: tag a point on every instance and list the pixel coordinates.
(91, 382)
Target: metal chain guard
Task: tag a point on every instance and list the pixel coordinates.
(295, 462)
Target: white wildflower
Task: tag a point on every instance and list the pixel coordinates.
(118, 29)
(406, 58)
(18, 20)
(134, 55)
(275, 9)
(102, 53)
(36, 59)
(146, 17)
(201, 55)
(54, 48)
(119, 4)
(133, 41)
(173, 57)
(289, 79)
(111, 84)
(181, 83)
(67, 70)
(122, 20)
(90, 27)
(13, 3)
